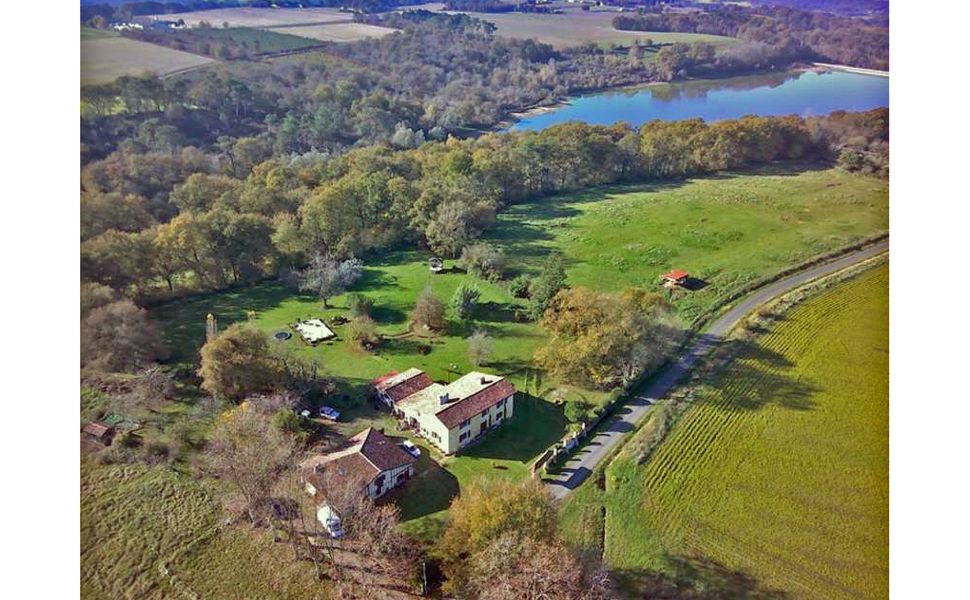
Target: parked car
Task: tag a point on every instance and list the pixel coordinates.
(410, 448)
(329, 413)
(330, 520)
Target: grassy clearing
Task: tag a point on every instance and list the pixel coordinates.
(576, 28)
(778, 478)
(340, 32)
(727, 229)
(135, 519)
(105, 59)
(260, 17)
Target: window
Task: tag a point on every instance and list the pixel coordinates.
(466, 423)
(464, 436)
(484, 413)
(380, 481)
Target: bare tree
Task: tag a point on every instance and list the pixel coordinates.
(249, 454)
(327, 276)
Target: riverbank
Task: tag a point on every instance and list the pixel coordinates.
(848, 69)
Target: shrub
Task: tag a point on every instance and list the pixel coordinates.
(363, 332)
(483, 260)
(359, 304)
(480, 348)
(464, 300)
(429, 312)
(289, 422)
(519, 287)
(578, 412)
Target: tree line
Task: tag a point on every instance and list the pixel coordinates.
(164, 223)
(856, 41)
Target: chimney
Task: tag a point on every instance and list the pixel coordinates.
(444, 398)
(484, 380)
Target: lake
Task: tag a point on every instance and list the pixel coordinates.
(804, 93)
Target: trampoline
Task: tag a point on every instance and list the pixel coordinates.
(282, 336)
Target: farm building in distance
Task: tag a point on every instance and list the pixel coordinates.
(371, 461)
(675, 277)
(449, 416)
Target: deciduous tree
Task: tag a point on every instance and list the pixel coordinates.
(237, 363)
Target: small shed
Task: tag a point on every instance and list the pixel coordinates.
(99, 432)
(436, 264)
(675, 277)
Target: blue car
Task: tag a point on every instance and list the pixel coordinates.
(329, 413)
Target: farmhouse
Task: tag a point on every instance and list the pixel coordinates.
(675, 277)
(394, 387)
(370, 460)
(449, 416)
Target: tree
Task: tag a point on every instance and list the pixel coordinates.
(511, 568)
(327, 276)
(483, 260)
(429, 312)
(485, 511)
(464, 300)
(249, 454)
(95, 295)
(607, 340)
(145, 393)
(480, 348)
(551, 279)
(237, 363)
(119, 337)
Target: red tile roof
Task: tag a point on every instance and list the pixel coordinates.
(676, 275)
(384, 377)
(476, 403)
(368, 454)
(402, 389)
(381, 451)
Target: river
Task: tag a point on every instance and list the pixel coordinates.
(803, 93)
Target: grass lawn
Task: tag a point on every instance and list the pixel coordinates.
(778, 478)
(726, 229)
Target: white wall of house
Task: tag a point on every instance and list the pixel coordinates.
(491, 418)
(388, 480)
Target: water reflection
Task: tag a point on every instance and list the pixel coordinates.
(801, 93)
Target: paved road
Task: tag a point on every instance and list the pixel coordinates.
(581, 465)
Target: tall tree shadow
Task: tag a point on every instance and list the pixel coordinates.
(776, 382)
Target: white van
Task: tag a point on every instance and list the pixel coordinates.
(330, 521)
